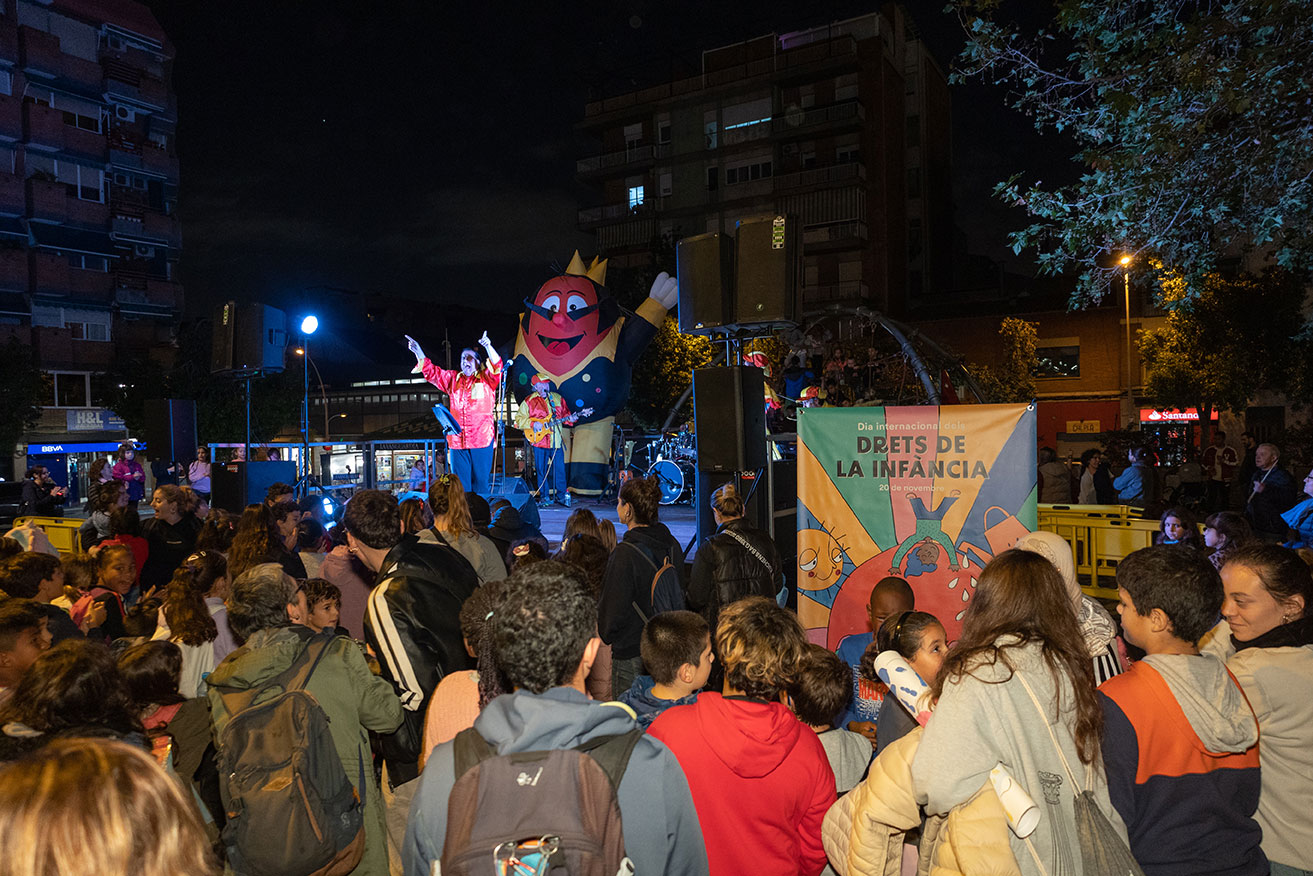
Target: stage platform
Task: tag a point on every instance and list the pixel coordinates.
(679, 519)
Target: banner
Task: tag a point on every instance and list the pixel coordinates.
(929, 494)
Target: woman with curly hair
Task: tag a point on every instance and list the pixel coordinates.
(74, 689)
(194, 618)
(453, 526)
(217, 531)
(1018, 689)
(266, 534)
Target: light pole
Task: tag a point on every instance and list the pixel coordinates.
(309, 326)
(1126, 278)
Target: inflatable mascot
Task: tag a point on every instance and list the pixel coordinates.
(572, 332)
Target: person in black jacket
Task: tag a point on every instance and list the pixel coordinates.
(628, 580)
(739, 560)
(41, 497)
(412, 621)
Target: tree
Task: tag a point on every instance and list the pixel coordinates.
(1192, 123)
(1223, 341)
(663, 372)
(1013, 379)
(24, 389)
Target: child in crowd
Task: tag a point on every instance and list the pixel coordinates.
(39, 577)
(79, 578)
(1180, 742)
(1179, 526)
(920, 639)
(760, 780)
(1225, 532)
(324, 601)
(115, 573)
(23, 636)
(676, 650)
(460, 696)
(822, 690)
(524, 552)
(890, 596)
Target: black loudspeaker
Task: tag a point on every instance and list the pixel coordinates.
(766, 271)
(704, 266)
(171, 429)
(248, 339)
(234, 485)
(729, 414)
(748, 485)
(516, 491)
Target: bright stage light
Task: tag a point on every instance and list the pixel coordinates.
(309, 325)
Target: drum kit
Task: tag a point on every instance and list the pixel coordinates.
(674, 464)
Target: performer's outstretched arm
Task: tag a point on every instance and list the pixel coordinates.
(493, 359)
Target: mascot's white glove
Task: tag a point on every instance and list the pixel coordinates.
(665, 290)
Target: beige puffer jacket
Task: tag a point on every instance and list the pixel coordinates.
(863, 831)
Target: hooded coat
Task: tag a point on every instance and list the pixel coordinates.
(760, 780)
(628, 580)
(1180, 749)
(662, 834)
(354, 700)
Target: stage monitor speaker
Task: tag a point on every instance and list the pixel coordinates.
(248, 339)
(704, 265)
(729, 414)
(171, 429)
(234, 485)
(517, 492)
(767, 265)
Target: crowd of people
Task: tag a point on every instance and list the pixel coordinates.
(434, 684)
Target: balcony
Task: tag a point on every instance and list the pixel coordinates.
(125, 81)
(634, 155)
(90, 214)
(13, 269)
(851, 231)
(147, 226)
(11, 117)
(616, 212)
(638, 233)
(44, 126)
(46, 200)
(39, 53)
(850, 113)
(746, 133)
(8, 38)
(13, 200)
(820, 176)
(50, 274)
(88, 144)
(838, 293)
(159, 161)
(97, 286)
(133, 290)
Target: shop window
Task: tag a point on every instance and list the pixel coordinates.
(1063, 361)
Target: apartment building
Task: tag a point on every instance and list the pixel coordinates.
(89, 236)
(844, 126)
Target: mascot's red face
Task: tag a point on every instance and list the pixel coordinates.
(562, 325)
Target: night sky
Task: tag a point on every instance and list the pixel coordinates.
(427, 149)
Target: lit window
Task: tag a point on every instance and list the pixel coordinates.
(1057, 361)
(635, 197)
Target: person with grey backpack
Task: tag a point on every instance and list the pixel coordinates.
(291, 713)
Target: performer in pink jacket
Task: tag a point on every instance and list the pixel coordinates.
(473, 394)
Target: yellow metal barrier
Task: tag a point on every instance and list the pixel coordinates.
(1100, 536)
(62, 532)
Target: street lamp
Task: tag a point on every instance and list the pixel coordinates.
(309, 325)
(1125, 262)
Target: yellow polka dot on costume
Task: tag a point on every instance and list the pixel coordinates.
(587, 377)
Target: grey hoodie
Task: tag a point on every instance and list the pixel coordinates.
(662, 834)
(1216, 709)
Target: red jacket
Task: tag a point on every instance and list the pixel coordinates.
(761, 783)
(472, 402)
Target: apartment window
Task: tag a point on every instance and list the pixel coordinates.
(850, 154)
(71, 390)
(158, 140)
(88, 331)
(845, 87)
(635, 197)
(667, 183)
(914, 182)
(633, 135)
(87, 183)
(6, 82)
(808, 157)
(1060, 359)
(713, 178)
(807, 96)
(85, 262)
(663, 131)
(747, 172)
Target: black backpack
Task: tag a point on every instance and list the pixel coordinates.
(667, 593)
(291, 811)
(537, 812)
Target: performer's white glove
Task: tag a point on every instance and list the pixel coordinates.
(484, 342)
(417, 349)
(665, 290)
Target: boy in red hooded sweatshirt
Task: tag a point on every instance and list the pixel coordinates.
(761, 782)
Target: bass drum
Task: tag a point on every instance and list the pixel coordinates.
(675, 478)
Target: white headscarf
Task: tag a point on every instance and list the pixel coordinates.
(1096, 625)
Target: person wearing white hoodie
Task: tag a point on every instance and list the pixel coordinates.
(1180, 742)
